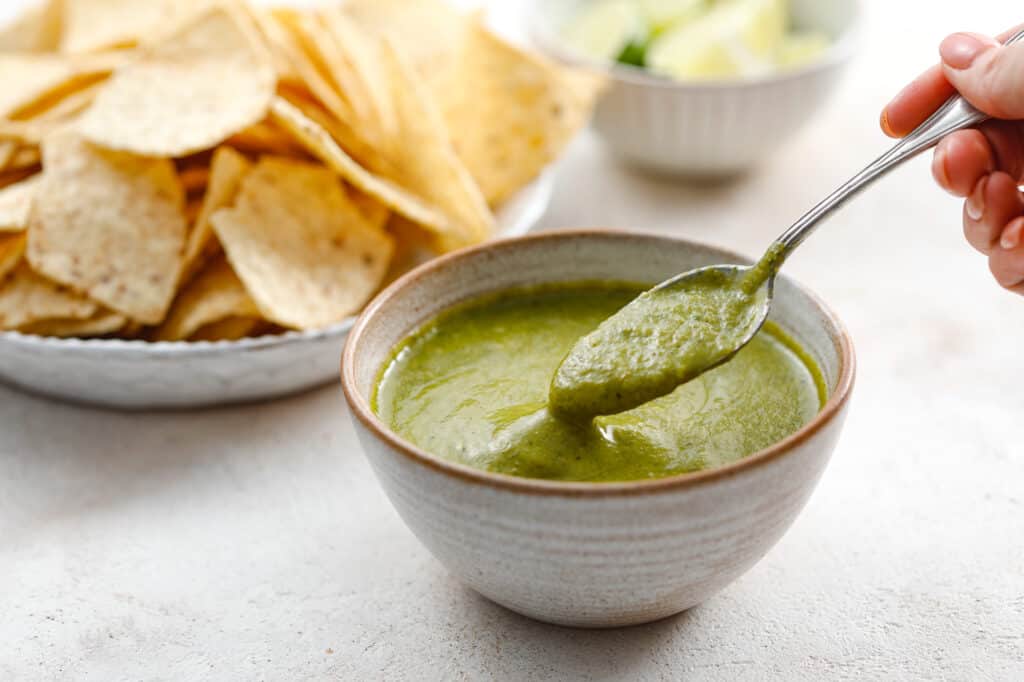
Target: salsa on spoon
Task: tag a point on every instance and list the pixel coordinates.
(699, 319)
(662, 339)
(689, 324)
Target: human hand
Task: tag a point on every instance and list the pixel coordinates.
(984, 165)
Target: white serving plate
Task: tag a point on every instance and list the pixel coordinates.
(138, 375)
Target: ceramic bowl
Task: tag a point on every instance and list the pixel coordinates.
(707, 128)
(591, 554)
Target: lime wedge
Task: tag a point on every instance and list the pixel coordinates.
(764, 24)
(736, 38)
(662, 15)
(604, 29)
(798, 49)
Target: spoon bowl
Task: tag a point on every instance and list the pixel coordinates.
(746, 276)
(665, 337)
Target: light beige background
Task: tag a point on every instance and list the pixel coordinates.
(254, 543)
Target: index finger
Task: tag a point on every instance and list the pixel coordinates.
(917, 101)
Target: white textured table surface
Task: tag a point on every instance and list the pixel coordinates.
(254, 543)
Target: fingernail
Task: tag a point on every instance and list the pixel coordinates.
(961, 49)
(939, 168)
(975, 205)
(886, 128)
(1010, 238)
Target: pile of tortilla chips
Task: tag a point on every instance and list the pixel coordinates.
(207, 170)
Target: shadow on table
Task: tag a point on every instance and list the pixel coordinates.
(559, 652)
(708, 187)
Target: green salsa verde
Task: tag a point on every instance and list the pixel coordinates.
(663, 338)
(660, 340)
(472, 385)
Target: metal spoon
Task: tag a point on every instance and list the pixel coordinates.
(579, 391)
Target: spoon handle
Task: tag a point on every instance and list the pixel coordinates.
(955, 114)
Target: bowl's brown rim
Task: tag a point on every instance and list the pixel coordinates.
(362, 411)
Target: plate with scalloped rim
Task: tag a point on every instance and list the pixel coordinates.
(138, 375)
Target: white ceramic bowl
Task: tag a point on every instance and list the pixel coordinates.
(708, 128)
(591, 554)
(136, 375)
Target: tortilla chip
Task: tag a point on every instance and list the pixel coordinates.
(215, 294)
(279, 33)
(320, 143)
(193, 207)
(60, 112)
(25, 157)
(12, 248)
(131, 330)
(414, 246)
(305, 35)
(36, 30)
(14, 176)
(7, 149)
(368, 156)
(194, 179)
(102, 323)
(426, 161)
(332, 60)
(376, 213)
(205, 83)
(340, 58)
(317, 95)
(228, 329)
(303, 250)
(279, 57)
(91, 25)
(111, 226)
(265, 138)
(27, 297)
(511, 113)
(226, 173)
(363, 77)
(72, 102)
(48, 107)
(428, 31)
(31, 79)
(15, 203)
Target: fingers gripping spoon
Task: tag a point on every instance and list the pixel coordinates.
(701, 318)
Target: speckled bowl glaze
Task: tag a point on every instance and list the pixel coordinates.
(707, 128)
(591, 554)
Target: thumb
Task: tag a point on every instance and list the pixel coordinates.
(989, 75)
